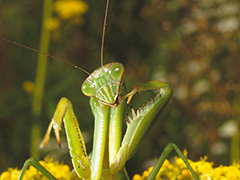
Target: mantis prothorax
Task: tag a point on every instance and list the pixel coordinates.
(108, 97)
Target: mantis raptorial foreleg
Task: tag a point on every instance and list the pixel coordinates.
(102, 122)
(140, 122)
(76, 143)
(101, 113)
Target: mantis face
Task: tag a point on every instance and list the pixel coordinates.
(105, 84)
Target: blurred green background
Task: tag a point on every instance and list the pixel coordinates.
(192, 45)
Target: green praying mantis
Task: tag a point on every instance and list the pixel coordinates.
(108, 97)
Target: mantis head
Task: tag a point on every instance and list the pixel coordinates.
(105, 83)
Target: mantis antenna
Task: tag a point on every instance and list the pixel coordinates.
(104, 30)
(62, 60)
(46, 54)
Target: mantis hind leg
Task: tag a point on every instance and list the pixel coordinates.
(33, 162)
(167, 150)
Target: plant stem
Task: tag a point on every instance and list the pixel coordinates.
(235, 147)
(40, 80)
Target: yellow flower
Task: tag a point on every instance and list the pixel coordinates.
(59, 170)
(146, 174)
(5, 175)
(137, 177)
(70, 8)
(224, 172)
(28, 86)
(202, 166)
(178, 171)
(52, 24)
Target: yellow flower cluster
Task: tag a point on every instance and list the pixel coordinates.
(204, 170)
(59, 170)
(66, 9)
(169, 171)
(70, 8)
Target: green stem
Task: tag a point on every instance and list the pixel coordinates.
(38, 166)
(235, 147)
(167, 150)
(40, 80)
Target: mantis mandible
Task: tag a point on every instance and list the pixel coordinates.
(108, 97)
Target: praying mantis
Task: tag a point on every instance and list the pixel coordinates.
(108, 97)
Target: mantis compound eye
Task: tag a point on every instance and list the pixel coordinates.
(88, 89)
(116, 71)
